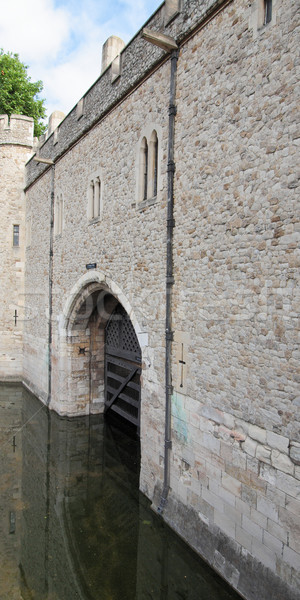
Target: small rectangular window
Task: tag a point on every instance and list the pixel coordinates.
(268, 12)
(16, 235)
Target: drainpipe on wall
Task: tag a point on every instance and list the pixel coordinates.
(169, 44)
(169, 282)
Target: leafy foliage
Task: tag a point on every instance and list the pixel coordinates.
(18, 95)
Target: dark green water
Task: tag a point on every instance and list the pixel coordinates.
(73, 523)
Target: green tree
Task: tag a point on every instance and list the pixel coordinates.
(18, 95)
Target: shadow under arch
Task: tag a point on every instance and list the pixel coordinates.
(92, 304)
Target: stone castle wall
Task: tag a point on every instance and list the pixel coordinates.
(36, 326)
(16, 141)
(236, 426)
(235, 460)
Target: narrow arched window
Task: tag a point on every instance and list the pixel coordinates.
(91, 200)
(147, 167)
(94, 195)
(144, 169)
(97, 194)
(153, 164)
(268, 11)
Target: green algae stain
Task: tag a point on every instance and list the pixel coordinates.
(179, 418)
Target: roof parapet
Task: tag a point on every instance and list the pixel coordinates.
(172, 8)
(110, 50)
(54, 121)
(16, 129)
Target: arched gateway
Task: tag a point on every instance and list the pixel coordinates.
(103, 355)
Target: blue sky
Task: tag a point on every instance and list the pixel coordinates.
(61, 40)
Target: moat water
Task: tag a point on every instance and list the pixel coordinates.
(73, 522)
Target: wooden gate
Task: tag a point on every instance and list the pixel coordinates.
(122, 367)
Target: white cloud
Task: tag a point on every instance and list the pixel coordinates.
(61, 40)
(33, 28)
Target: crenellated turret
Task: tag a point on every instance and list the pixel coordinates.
(18, 129)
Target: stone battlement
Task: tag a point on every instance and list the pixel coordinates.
(18, 130)
(135, 62)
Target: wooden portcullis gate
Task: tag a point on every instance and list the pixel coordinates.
(122, 367)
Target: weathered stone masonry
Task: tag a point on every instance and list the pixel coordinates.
(235, 457)
(16, 142)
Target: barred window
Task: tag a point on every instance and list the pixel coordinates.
(16, 235)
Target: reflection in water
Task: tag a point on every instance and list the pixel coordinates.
(74, 523)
